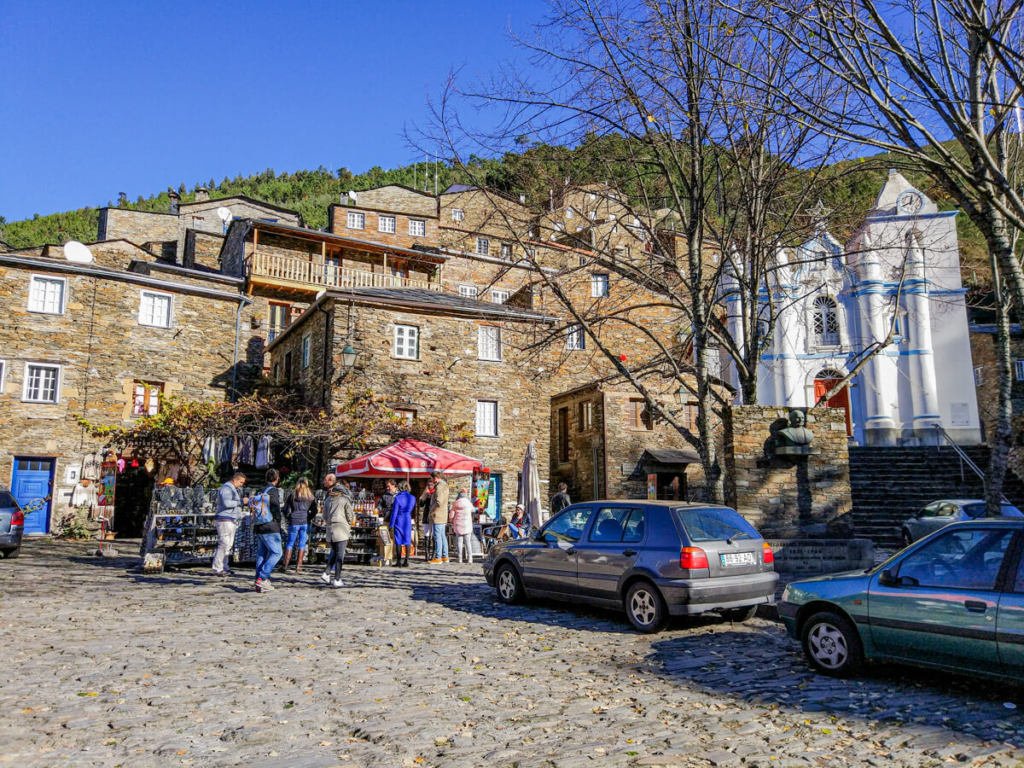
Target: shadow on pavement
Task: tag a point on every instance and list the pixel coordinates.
(762, 666)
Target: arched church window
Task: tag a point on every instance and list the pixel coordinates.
(826, 322)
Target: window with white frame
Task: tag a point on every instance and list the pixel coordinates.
(574, 338)
(483, 246)
(1018, 370)
(407, 415)
(568, 212)
(417, 227)
(499, 297)
(825, 322)
(386, 224)
(468, 291)
(486, 418)
(506, 250)
(489, 343)
(458, 214)
(585, 418)
(979, 375)
(599, 285)
(46, 295)
(42, 383)
(356, 220)
(307, 342)
(155, 309)
(407, 342)
(277, 373)
(146, 398)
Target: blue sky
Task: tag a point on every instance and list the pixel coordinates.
(104, 97)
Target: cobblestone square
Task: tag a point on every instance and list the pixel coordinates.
(424, 667)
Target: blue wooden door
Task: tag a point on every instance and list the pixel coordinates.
(494, 498)
(33, 480)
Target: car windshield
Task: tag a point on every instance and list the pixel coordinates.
(978, 510)
(714, 524)
(7, 500)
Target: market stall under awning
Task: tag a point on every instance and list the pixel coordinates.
(408, 458)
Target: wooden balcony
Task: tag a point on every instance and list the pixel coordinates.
(312, 275)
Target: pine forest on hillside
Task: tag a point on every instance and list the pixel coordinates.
(850, 191)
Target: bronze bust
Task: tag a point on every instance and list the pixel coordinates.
(795, 440)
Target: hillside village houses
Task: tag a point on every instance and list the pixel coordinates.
(447, 317)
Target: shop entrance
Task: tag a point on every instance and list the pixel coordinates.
(131, 501)
(823, 382)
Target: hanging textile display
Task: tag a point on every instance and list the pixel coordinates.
(263, 453)
(105, 493)
(91, 466)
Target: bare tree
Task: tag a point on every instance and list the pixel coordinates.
(710, 177)
(938, 83)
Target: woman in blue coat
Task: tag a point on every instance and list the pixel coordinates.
(401, 523)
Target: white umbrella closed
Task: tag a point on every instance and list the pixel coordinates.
(529, 487)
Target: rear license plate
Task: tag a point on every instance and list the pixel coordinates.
(738, 558)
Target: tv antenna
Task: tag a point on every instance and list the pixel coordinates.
(224, 214)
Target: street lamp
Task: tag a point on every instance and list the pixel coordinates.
(348, 356)
(682, 395)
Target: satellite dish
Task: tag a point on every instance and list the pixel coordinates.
(351, 195)
(76, 252)
(224, 213)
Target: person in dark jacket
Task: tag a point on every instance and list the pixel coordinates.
(268, 535)
(401, 523)
(300, 507)
(560, 500)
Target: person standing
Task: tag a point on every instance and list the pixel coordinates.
(401, 523)
(230, 507)
(339, 514)
(438, 517)
(300, 507)
(268, 535)
(560, 500)
(462, 525)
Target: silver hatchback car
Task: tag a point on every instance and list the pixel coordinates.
(654, 559)
(941, 513)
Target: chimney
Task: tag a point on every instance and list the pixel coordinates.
(175, 199)
(202, 195)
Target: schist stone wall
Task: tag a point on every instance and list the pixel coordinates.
(446, 381)
(783, 497)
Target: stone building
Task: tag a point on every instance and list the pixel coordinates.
(101, 341)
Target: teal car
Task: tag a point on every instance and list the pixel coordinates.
(954, 601)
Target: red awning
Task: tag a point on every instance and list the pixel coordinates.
(408, 458)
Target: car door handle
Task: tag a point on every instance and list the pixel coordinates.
(571, 551)
(975, 606)
(629, 552)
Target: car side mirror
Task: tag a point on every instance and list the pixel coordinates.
(886, 579)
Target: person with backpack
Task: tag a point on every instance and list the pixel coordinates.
(300, 507)
(230, 507)
(266, 507)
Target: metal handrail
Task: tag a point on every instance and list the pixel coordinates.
(964, 458)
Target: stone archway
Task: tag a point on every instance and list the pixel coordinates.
(824, 380)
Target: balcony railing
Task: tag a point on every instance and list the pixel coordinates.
(284, 269)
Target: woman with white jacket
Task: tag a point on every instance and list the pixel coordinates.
(462, 525)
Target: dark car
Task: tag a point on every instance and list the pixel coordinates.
(941, 513)
(954, 601)
(654, 559)
(12, 522)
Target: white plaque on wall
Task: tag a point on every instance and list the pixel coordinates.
(960, 414)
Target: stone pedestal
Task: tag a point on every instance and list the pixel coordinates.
(805, 494)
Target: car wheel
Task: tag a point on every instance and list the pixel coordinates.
(907, 538)
(739, 615)
(9, 553)
(509, 585)
(645, 608)
(832, 644)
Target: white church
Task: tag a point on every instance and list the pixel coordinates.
(899, 273)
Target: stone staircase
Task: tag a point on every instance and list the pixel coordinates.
(889, 484)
